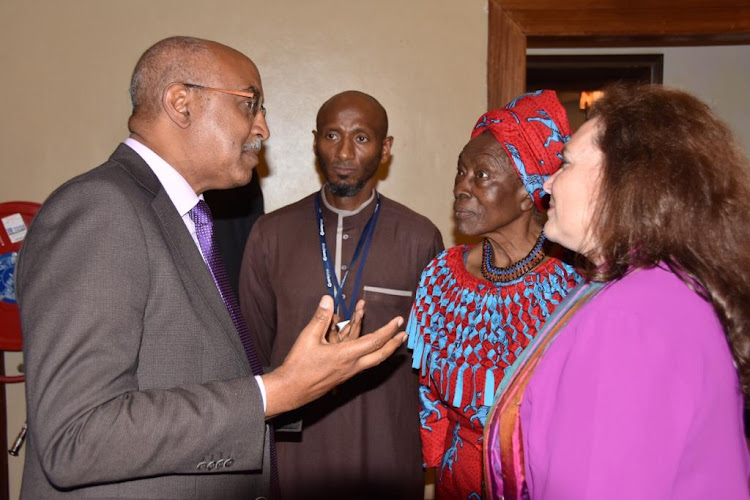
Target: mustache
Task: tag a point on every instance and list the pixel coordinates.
(255, 145)
(342, 164)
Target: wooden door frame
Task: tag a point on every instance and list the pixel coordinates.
(515, 25)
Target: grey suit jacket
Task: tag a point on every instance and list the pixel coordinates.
(137, 383)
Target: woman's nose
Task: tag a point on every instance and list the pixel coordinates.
(547, 186)
(461, 187)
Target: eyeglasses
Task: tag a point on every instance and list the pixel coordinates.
(255, 101)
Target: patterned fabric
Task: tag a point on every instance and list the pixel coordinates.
(465, 333)
(504, 471)
(532, 129)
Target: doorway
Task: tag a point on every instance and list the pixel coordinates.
(577, 78)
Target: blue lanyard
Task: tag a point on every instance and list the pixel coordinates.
(335, 289)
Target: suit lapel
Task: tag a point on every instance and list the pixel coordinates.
(195, 274)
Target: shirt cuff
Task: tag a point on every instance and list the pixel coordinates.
(262, 388)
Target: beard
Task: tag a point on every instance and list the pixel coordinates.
(349, 187)
(343, 189)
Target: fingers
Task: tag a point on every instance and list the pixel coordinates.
(318, 326)
(360, 306)
(332, 335)
(352, 330)
(370, 343)
(377, 357)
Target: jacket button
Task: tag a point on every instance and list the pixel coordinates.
(229, 462)
(211, 465)
(201, 465)
(220, 463)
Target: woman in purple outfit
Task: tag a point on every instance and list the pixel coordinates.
(634, 387)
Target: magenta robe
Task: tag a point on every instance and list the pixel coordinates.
(637, 398)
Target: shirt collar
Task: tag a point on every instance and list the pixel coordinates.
(345, 213)
(179, 191)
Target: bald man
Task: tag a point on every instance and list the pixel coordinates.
(142, 381)
(349, 241)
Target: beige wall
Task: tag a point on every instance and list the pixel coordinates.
(66, 67)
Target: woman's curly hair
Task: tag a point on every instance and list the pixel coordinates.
(675, 188)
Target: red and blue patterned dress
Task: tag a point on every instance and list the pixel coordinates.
(465, 331)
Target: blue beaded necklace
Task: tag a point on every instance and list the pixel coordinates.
(513, 271)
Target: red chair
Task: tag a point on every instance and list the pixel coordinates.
(15, 218)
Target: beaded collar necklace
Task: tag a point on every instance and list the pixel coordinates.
(513, 271)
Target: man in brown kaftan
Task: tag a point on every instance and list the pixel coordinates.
(362, 440)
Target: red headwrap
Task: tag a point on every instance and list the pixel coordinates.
(532, 129)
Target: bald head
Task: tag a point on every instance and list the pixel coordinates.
(175, 59)
(358, 100)
(196, 103)
(180, 59)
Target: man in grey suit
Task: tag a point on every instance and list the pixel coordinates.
(139, 378)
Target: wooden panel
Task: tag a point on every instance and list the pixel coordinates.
(506, 58)
(654, 21)
(578, 5)
(546, 42)
(599, 23)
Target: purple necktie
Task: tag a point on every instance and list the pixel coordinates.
(204, 229)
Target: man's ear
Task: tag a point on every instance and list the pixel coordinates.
(176, 101)
(315, 140)
(385, 153)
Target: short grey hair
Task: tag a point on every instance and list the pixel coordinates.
(174, 59)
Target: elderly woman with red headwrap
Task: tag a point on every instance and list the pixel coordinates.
(478, 307)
